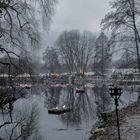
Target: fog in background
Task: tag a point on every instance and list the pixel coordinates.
(76, 14)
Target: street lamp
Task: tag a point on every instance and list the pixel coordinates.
(115, 94)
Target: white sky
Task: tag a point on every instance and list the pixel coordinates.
(79, 14)
(76, 14)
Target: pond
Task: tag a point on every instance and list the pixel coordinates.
(85, 108)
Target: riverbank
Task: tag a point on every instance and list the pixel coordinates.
(129, 124)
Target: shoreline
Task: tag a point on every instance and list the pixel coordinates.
(108, 128)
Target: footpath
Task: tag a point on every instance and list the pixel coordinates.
(129, 125)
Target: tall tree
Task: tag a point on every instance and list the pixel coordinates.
(102, 56)
(85, 52)
(76, 49)
(18, 17)
(19, 26)
(68, 43)
(124, 21)
(51, 60)
(128, 60)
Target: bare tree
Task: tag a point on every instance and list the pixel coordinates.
(66, 43)
(24, 126)
(76, 49)
(19, 16)
(127, 60)
(85, 52)
(51, 60)
(19, 25)
(123, 21)
(103, 55)
(19, 28)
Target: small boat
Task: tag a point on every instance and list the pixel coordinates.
(59, 110)
(80, 90)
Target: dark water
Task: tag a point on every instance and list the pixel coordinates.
(85, 109)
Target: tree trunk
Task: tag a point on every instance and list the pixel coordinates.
(136, 34)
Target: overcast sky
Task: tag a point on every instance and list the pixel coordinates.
(77, 14)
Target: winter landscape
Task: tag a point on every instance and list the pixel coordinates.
(69, 69)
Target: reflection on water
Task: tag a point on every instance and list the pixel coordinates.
(102, 99)
(85, 109)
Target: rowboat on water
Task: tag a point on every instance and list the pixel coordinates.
(80, 90)
(59, 110)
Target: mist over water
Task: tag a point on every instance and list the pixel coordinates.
(85, 109)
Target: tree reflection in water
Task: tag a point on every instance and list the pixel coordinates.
(21, 121)
(85, 107)
(52, 96)
(82, 104)
(102, 99)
